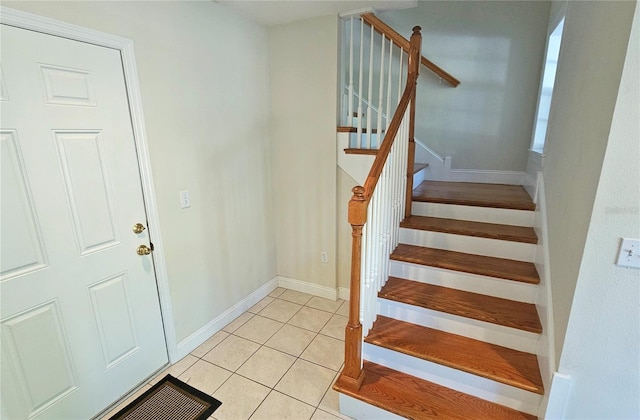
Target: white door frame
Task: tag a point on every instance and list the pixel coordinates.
(49, 26)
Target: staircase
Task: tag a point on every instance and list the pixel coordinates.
(456, 330)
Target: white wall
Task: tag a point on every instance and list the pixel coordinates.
(495, 48)
(591, 59)
(203, 73)
(303, 65)
(602, 344)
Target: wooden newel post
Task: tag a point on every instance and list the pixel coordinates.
(352, 374)
(415, 54)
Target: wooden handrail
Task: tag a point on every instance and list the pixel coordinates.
(352, 375)
(389, 32)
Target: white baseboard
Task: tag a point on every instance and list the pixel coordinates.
(190, 343)
(308, 287)
(439, 169)
(360, 410)
(344, 293)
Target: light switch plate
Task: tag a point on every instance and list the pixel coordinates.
(629, 255)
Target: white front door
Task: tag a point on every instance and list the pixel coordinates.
(79, 313)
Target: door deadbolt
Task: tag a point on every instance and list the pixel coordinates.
(138, 228)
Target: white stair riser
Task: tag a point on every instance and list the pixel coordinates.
(467, 327)
(491, 286)
(419, 176)
(360, 410)
(469, 244)
(474, 213)
(467, 383)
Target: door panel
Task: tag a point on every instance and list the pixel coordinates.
(79, 309)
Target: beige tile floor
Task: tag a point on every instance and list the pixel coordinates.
(276, 361)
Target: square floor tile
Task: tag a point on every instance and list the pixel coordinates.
(266, 366)
(232, 352)
(306, 382)
(331, 401)
(310, 319)
(280, 310)
(213, 341)
(325, 351)
(325, 304)
(282, 407)
(259, 329)
(260, 305)
(205, 376)
(323, 415)
(277, 292)
(240, 397)
(238, 322)
(335, 327)
(291, 340)
(295, 296)
(176, 369)
(344, 309)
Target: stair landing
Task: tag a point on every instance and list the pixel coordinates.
(474, 194)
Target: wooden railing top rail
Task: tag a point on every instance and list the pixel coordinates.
(401, 41)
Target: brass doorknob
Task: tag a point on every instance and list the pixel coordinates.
(138, 228)
(144, 250)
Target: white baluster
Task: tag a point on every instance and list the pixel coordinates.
(360, 114)
(370, 92)
(380, 94)
(350, 107)
(400, 76)
(388, 117)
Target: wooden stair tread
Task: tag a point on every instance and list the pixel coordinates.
(468, 228)
(469, 263)
(347, 129)
(417, 167)
(474, 194)
(353, 151)
(501, 364)
(415, 398)
(509, 313)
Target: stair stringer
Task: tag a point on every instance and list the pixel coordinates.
(356, 166)
(467, 383)
(546, 348)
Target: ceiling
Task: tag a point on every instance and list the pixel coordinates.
(269, 13)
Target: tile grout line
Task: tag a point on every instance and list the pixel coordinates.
(299, 357)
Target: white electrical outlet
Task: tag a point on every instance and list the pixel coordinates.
(629, 255)
(324, 257)
(185, 199)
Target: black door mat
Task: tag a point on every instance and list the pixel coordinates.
(170, 399)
